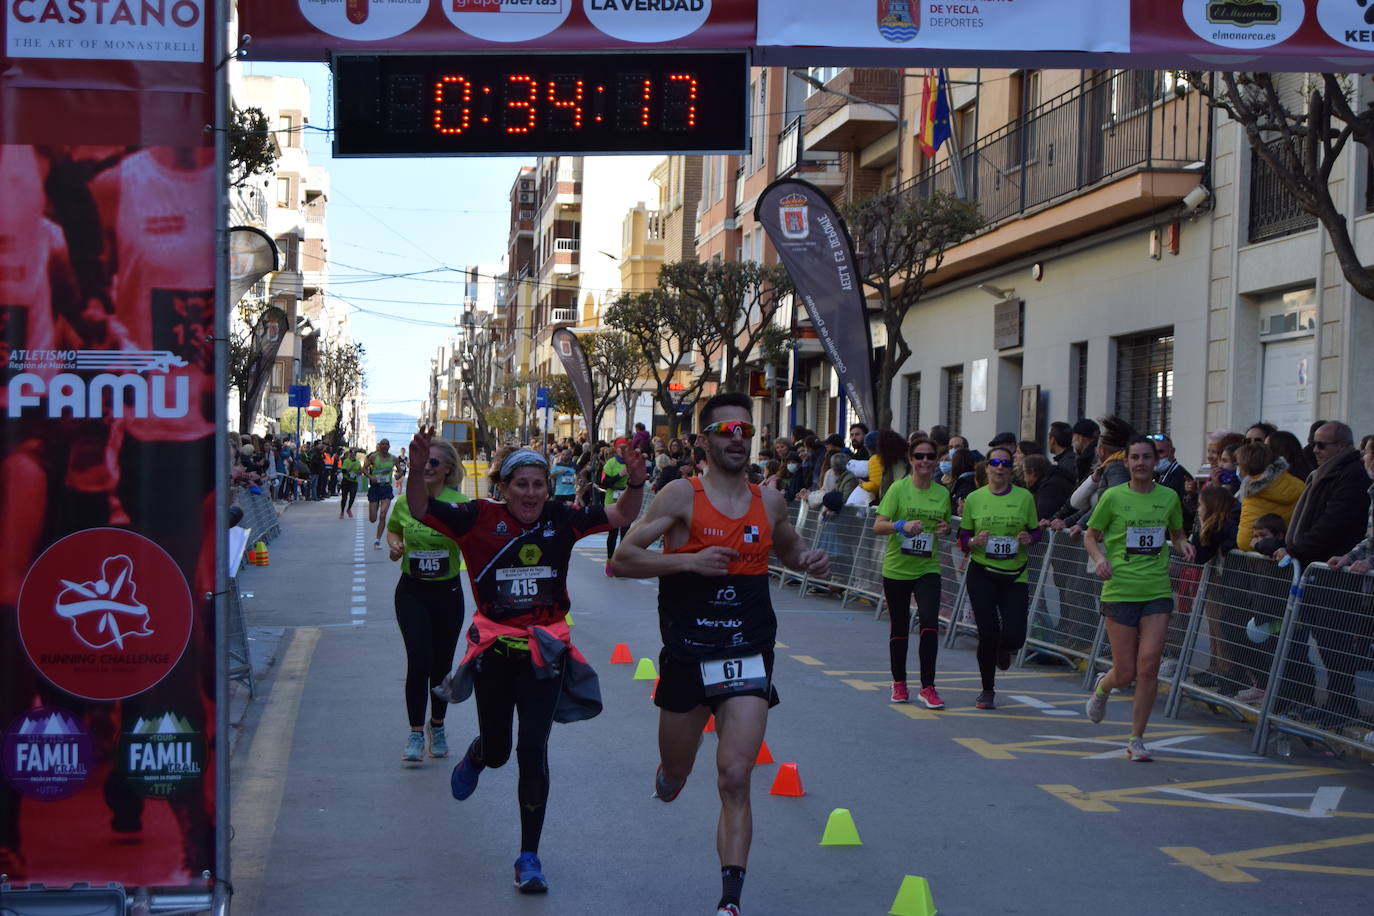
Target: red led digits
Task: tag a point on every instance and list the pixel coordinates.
(526, 103)
(680, 102)
(647, 97)
(443, 108)
(572, 106)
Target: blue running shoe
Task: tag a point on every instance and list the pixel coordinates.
(438, 741)
(415, 747)
(463, 782)
(529, 875)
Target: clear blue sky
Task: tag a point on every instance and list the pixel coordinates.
(397, 216)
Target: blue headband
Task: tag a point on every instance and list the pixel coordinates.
(522, 458)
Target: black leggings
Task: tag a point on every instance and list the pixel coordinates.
(999, 609)
(898, 593)
(611, 537)
(348, 491)
(430, 614)
(505, 683)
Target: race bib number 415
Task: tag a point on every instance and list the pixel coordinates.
(525, 585)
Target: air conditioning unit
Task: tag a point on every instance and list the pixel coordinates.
(732, 222)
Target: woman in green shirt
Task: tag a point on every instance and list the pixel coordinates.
(999, 525)
(914, 514)
(1135, 520)
(429, 600)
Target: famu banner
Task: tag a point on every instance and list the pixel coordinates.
(109, 205)
(814, 246)
(574, 358)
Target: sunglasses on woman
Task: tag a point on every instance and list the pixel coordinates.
(435, 462)
(922, 456)
(738, 429)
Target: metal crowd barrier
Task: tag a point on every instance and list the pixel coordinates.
(240, 662)
(259, 515)
(1290, 650)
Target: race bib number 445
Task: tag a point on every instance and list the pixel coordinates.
(733, 675)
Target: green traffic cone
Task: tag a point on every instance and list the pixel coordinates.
(840, 829)
(644, 670)
(913, 898)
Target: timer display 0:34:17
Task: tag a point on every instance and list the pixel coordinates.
(480, 105)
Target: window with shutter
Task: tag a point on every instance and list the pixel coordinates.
(1145, 381)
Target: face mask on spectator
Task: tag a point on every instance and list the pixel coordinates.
(1164, 465)
(945, 466)
(792, 467)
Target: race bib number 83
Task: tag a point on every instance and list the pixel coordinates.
(1144, 540)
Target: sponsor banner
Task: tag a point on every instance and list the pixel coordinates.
(574, 358)
(977, 25)
(309, 29)
(814, 245)
(1142, 34)
(154, 30)
(108, 212)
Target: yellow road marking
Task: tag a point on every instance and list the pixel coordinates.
(863, 685)
(808, 660)
(915, 712)
(257, 797)
(1232, 867)
(779, 645)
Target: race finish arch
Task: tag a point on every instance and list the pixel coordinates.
(112, 305)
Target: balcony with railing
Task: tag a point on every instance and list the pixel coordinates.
(819, 168)
(1116, 148)
(836, 123)
(1274, 210)
(563, 316)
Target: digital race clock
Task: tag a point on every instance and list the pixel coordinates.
(532, 104)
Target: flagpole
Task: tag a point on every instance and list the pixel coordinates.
(956, 158)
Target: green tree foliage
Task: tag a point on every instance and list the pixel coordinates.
(253, 148)
(339, 374)
(737, 300)
(900, 239)
(666, 331)
(324, 424)
(1298, 125)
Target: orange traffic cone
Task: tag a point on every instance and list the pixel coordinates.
(764, 755)
(262, 554)
(710, 725)
(787, 782)
(620, 655)
(252, 556)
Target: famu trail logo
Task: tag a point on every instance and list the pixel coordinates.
(97, 383)
(792, 215)
(46, 754)
(161, 755)
(897, 20)
(1245, 12)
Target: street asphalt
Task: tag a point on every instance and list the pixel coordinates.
(1026, 809)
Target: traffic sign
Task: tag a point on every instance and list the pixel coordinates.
(314, 408)
(298, 396)
(541, 398)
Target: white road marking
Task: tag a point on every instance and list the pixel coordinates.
(1324, 803)
(1048, 709)
(1119, 747)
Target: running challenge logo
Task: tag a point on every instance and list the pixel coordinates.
(163, 30)
(1243, 24)
(47, 379)
(104, 614)
(46, 754)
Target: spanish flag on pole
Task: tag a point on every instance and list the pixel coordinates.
(934, 112)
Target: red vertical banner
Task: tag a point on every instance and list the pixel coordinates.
(109, 205)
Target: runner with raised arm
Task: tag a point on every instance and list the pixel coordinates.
(716, 619)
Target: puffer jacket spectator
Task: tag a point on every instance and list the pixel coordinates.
(1332, 515)
(1266, 488)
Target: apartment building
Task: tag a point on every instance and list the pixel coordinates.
(290, 205)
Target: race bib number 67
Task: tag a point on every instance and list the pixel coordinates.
(733, 675)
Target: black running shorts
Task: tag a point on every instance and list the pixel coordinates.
(680, 688)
